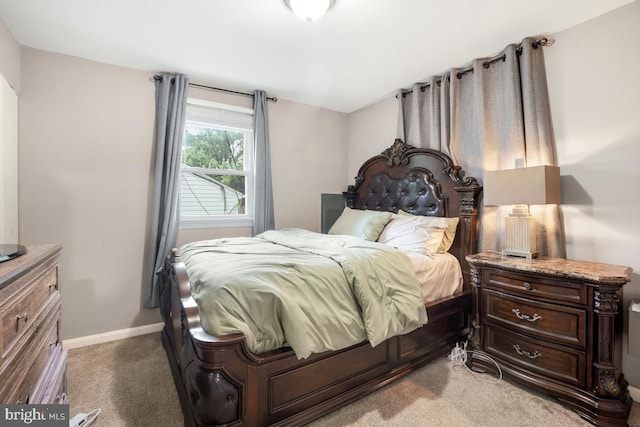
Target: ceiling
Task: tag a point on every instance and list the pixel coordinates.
(359, 53)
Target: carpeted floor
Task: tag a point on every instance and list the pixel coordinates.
(130, 381)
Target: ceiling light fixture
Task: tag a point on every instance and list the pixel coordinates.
(309, 10)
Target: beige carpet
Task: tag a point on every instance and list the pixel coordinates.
(131, 383)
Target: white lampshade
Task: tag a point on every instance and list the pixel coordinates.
(309, 10)
(536, 185)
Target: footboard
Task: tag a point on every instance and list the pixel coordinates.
(221, 383)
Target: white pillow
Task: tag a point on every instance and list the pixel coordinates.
(414, 233)
(365, 224)
(449, 232)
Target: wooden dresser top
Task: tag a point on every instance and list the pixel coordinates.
(16, 267)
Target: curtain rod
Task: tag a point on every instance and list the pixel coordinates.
(274, 99)
(544, 41)
(219, 89)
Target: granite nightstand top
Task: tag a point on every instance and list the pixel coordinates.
(592, 272)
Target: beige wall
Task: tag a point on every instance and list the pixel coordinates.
(9, 85)
(86, 152)
(595, 103)
(85, 161)
(308, 157)
(8, 163)
(371, 130)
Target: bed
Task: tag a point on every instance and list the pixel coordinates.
(221, 382)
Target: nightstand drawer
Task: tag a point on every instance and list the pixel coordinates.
(550, 360)
(565, 325)
(536, 287)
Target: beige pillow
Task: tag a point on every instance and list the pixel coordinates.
(449, 232)
(365, 224)
(414, 233)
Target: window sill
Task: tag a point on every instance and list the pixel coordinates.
(186, 224)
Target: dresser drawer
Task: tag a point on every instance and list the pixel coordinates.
(52, 385)
(28, 373)
(565, 325)
(32, 362)
(536, 287)
(22, 308)
(547, 359)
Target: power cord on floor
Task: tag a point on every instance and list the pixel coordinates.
(83, 420)
(459, 356)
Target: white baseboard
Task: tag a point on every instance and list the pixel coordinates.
(111, 336)
(635, 393)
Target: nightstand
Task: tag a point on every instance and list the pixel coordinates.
(555, 325)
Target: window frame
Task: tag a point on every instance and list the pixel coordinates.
(222, 221)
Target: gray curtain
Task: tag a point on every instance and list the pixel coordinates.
(263, 217)
(485, 116)
(171, 102)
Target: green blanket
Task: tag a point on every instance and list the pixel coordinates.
(311, 291)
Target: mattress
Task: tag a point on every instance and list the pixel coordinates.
(440, 275)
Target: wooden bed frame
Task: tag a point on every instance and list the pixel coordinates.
(221, 383)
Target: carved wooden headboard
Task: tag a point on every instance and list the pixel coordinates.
(420, 181)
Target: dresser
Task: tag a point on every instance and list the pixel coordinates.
(32, 362)
(554, 325)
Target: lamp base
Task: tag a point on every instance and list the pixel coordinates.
(520, 234)
(529, 255)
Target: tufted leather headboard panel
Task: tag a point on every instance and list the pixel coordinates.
(420, 181)
(416, 192)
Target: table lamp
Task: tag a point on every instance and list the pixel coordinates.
(521, 187)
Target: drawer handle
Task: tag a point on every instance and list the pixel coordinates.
(527, 353)
(25, 317)
(526, 317)
(527, 285)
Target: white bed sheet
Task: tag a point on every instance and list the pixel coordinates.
(440, 275)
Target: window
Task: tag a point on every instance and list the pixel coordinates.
(217, 166)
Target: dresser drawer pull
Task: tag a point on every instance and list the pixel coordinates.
(527, 353)
(527, 285)
(24, 316)
(526, 317)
